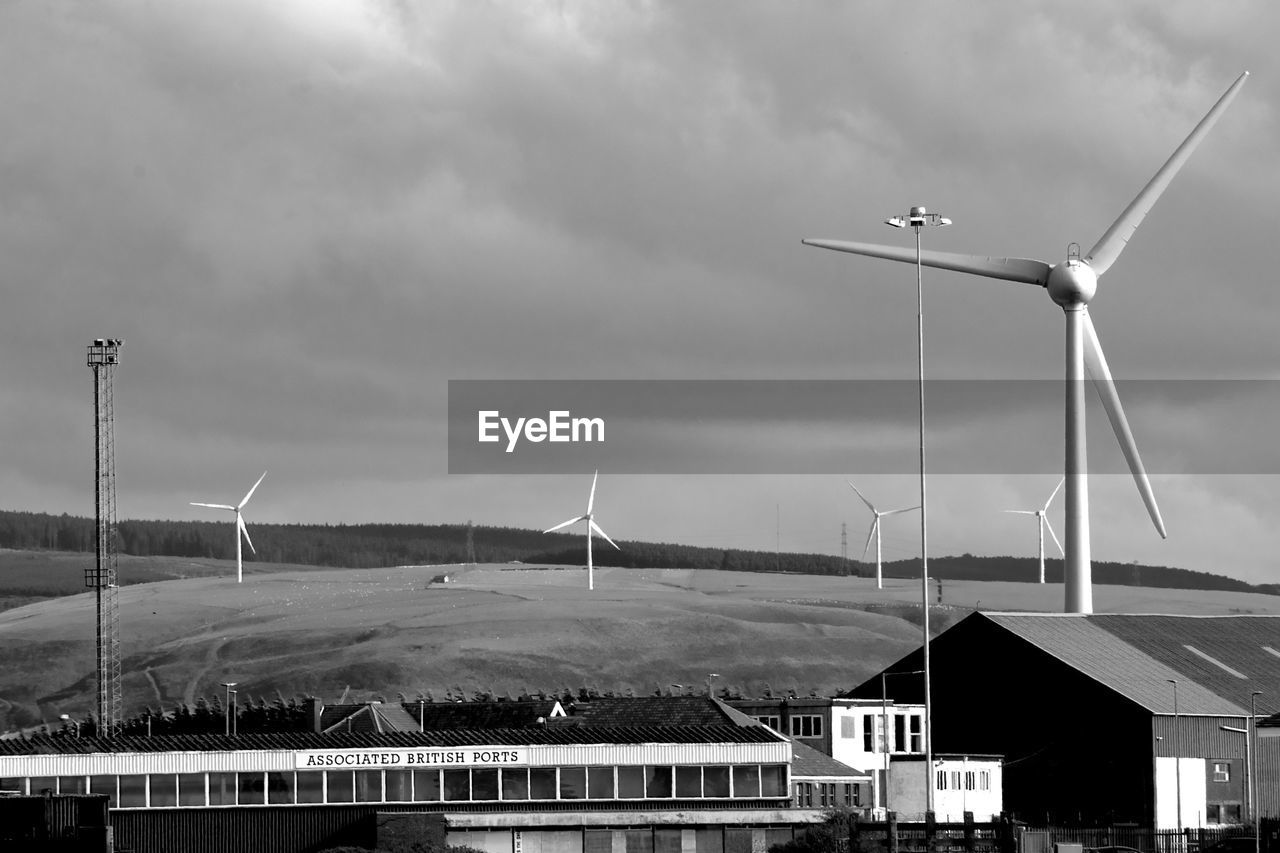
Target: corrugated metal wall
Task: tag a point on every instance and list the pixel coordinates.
(1198, 737)
(1268, 776)
(280, 830)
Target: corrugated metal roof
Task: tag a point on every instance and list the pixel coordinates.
(554, 735)
(1137, 654)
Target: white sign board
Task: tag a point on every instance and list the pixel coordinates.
(373, 759)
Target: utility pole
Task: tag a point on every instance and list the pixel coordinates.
(471, 543)
(103, 356)
(844, 545)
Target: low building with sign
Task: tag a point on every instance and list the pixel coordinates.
(661, 774)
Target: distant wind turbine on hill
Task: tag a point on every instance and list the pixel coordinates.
(1071, 285)
(1043, 519)
(875, 530)
(592, 527)
(241, 530)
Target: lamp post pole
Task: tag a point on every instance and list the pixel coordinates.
(229, 708)
(917, 219)
(1177, 751)
(884, 714)
(1254, 799)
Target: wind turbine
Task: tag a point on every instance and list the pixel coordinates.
(592, 527)
(875, 530)
(1043, 518)
(1071, 285)
(241, 530)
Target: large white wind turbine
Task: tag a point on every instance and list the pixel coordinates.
(241, 530)
(1071, 285)
(592, 527)
(1043, 520)
(875, 530)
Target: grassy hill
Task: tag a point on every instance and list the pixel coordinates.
(502, 628)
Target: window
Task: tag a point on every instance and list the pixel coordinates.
(916, 743)
(515, 783)
(75, 785)
(630, 783)
(164, 789)
(955, 780)
(600, 783)
(746, 780)
(899, 733)
(133, 791)
(848, 728)
(484, 784)
(688, 781)
(310, 787)
(804, 795)
(1221, 771)
(715, 781)
(252, 789)
(191, 789)
(657, 781)
(984, 780)
(426, 786)
(542, 783)
(107, 785)
(573, 783)
(868, 733)
(1212, 813)
(773, 780)
(40, 784)
(457, 785)
(399, 786)
(806, 725)
(969, 780)
(773, 721)
(279, 787)
(340, 785)
(942, 780)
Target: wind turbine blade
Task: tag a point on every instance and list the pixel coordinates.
(1045, 519)
(871, 535)
(1025, 270)
(215, 506)
(249, 494)
(591, 499)
(1053, 494)
(1022, 511)
(870, 505)
(1112, 243)
(574, 520)
(245, 531)
(1096, 363)
(604, 535)
(898, 511)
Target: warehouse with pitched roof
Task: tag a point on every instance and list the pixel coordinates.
(1110, 718)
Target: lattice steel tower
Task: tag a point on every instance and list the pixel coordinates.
(104, 355)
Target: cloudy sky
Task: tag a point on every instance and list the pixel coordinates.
(305, 217)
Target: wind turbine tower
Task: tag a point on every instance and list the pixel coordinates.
(874, 533)
(104, 355)
(241, 530)
(1072, 284)
(1043, 518)
(592, 527)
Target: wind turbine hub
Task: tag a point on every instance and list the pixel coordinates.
(1072, 283)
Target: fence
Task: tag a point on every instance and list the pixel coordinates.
(929, 836)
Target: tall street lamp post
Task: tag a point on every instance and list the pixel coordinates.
(917, 219)
(1177, 750)
(884, 714)
(1254, 799)
(229, 707)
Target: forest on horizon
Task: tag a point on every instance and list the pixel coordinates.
(380, 545)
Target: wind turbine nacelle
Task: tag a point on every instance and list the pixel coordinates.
(1072, 283)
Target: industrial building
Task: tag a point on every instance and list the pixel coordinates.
(1109, 718)
(652, 775)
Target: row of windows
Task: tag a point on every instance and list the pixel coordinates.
(158, 790)
(908, 735)
(799, 725)
(974, 780)
(827, 794)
